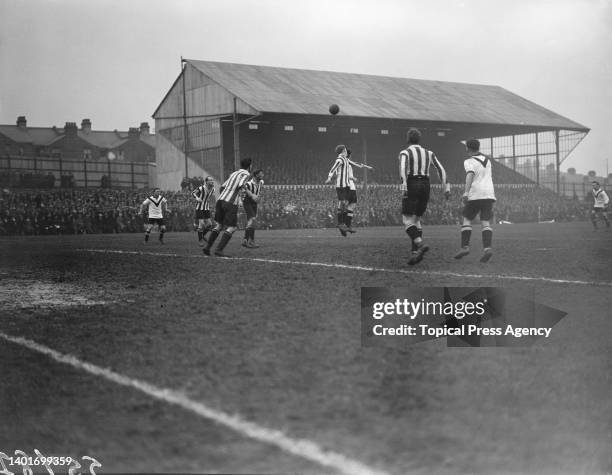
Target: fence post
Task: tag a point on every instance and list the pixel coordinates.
(557, 160)
(537, 154)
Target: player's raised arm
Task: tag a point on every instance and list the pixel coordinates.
(361, 165)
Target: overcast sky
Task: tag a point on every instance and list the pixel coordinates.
(113, 61)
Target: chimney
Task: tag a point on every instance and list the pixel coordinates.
(70, 129)
(144, 128)
(86, 125)
(22, 122)
(133, 133)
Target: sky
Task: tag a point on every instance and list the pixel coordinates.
(112, 61)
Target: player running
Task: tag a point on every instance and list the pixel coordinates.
(414, 164)
(342, 169)
(600, 205)
(157, 207)
(226, 209)
(204, 195)
(252, 195)
(478, 198)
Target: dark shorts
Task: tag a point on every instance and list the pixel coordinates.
(343, 193)
(352, 196)
(226, 213)
(474, 207)
(202, 214)
(598, 209)
(158, 221)
(250, 208)
(416, 197)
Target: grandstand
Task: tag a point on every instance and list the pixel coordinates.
(216, 112)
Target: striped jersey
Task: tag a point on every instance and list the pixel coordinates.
(204, 196)
(352, 179)
(254, 187)
(156, 206)
(600, 198)
(342, 170)
(416, 160)
(482, 184)
(232, 186)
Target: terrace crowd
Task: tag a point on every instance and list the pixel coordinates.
(91, 211)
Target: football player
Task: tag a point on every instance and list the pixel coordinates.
(157, 207)
(478, 198)
(600, 205)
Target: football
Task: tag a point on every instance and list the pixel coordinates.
(334, 109)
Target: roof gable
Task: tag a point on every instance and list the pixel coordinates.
(46, 136)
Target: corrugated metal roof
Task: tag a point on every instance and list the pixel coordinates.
(300, 91)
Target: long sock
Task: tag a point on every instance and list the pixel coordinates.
(487, 237)
(413, 233)
(419, 235)
(340, 216)
(200, 235)
(213, 236)
(246, 233)
(205, 230)
(252, 234)
(466, 234)
(161, 235)
(225, 237)
(349, 218)
(147, 235)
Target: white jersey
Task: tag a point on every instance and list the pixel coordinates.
(600, 198)
(155, 206)
(482, 184)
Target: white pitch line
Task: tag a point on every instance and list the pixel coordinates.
(366, 268)
(302, 448)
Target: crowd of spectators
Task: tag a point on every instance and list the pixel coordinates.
(90, 211)
(292, 207)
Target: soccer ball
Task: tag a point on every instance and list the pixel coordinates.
(334, 109)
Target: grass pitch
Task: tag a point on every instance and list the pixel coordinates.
(273, 336)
